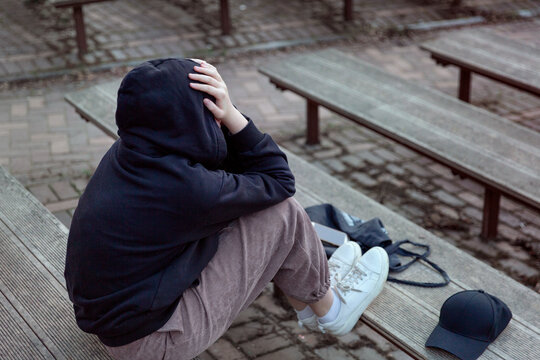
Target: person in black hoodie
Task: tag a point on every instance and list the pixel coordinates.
(186, 219)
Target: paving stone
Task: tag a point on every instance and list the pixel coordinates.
(353, 161)
(386, 155)
(64, 190)
(19, 109)
(268, 303)
(371, 158)
(224, 350)
(36, 102)
(248, 315)
(369, 333)
(43, 193)
(418, 196)
(446, 185)
(250, 330)
(349, 339)
(473, 213)
(513, 251)
(335, 165)
(472, 199)
(64, 217)
(482, 247)
(448, 198)
(290, 353)
(447, 212)
(363, 179)
(62, 205)
(368, 353)
(325, 154)
(417, 170)
(332, 353)
(509, 233)
(205, 356)
(265, 344)
(395, 169)
(519, 267)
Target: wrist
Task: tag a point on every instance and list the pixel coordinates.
(236, 122)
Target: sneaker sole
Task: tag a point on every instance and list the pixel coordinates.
(347, 327)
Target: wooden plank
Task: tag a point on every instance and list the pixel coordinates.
(97, 102)
(33, 245)
(17, 340)
(491, 55)
(491, 149)
(408, 314)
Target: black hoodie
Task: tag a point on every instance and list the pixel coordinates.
(148, 221)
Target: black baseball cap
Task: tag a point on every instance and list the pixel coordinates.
(469, 321)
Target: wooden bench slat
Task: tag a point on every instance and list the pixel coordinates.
(18, 341)
(29, 277)
(447, 104)
(400, 97)
(492, 55)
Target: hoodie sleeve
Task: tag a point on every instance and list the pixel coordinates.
(262, 176)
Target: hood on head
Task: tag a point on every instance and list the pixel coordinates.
(158, 113)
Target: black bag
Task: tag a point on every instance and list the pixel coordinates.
(372, 233)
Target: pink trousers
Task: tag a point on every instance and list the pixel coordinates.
(277, 243)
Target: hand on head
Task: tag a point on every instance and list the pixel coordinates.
(212, 84)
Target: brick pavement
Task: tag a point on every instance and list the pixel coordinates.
(121, 32)
(53, 152)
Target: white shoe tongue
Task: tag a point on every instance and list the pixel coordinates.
(345, 254)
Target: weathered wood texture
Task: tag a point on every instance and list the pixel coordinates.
(491, 55)
(406, 315)
(485, 147)
(35, 310)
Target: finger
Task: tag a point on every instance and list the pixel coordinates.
(207, 64)
(197, 60)
(214, 109)
(205, 79)
(209, 71)
(215, 92)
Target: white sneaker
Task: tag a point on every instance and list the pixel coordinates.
(357, 288)
(343, 259)
(340, 262)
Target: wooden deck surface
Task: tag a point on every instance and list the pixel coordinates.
(404, 314)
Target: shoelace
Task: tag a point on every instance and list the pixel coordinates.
(343, 285)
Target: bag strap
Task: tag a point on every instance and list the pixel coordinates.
(397, 249)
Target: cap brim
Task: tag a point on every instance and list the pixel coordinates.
(463, 347)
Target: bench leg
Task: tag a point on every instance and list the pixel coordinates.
(79, 29)
(225, 17)
(492, 199)
(464, 85)
(348, 10)
(312, 122)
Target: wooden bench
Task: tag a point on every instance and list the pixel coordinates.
(405, 315)
(78, 17)
(226, 18)
(482, 52)
(502, 156)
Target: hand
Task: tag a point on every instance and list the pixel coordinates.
(212, 84)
